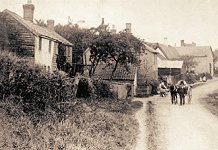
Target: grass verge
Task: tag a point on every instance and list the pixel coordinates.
(211, 102)
(152, 127)
(91, 125)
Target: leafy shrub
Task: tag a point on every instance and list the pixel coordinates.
(103, 89)
(39, 111)
(83, 89)
(208, 76)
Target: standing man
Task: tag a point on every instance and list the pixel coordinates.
(182, 91)
(173, 92)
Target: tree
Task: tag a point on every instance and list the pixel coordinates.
(188, 62)
(114, 49)
(41, 23)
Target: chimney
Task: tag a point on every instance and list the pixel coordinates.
(113, 30)
(50, 24)
(128, 27)
(165, 41)
(102, 21)
(28, 11)
(182, 43)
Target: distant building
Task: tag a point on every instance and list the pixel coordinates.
(168, 62)
(42, 44)
(203, 55)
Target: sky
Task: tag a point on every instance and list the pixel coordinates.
(152, 20)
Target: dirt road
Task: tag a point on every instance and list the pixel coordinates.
(188, 127)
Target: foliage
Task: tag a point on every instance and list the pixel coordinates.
(211, 102)
(41, 23)
(38, 111)
(79, 37)
(29, 87)
(114, 49)
(103, 89)
(208, 76)
(188, 62)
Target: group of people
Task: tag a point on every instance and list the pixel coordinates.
(181, 88)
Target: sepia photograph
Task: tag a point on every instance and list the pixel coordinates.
(108, 75)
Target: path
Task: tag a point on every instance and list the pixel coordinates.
(188, 127)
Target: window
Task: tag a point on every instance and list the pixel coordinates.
(68, 51)
(40, 43)
(49, 69)
(49, 47)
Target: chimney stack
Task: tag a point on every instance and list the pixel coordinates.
(102, 21)
(182, 43)
(165, 41)
(113, 30)
(50, 24)
(128, 27)
(28, 11)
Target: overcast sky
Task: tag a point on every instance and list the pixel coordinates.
(152, 20)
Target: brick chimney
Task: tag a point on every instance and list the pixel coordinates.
(102, 20)
(28, 11)
(165, 41)
(128, 27)
(113, 30)
(182, 43)
(50, 24)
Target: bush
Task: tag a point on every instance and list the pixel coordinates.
(29, 87)
(39, 111)
(103, 89)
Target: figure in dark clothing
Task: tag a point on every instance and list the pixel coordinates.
(182, 90)
(173, 92)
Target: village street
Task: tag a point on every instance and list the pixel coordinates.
(188, 127)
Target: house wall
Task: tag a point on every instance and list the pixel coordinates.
(203, 64)
(21, 40)
(43, 56)
(148, 66)
(69, 54)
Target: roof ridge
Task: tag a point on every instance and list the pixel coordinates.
(38, 30)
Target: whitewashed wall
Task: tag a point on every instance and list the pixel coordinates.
(44, 56)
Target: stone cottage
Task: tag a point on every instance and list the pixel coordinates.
(203, 55)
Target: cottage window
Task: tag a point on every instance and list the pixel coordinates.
(49, 69)
(68, 51)
(49, 47)
(40, 43)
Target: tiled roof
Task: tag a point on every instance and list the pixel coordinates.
(104, 72)
(196, 51)
(169, 51)
(38, 30)
(149, 48)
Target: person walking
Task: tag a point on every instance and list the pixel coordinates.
(182, 92)
(173, 92)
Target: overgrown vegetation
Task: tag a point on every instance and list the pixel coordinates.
(152, 127)
(211, 102)
(39, 111)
